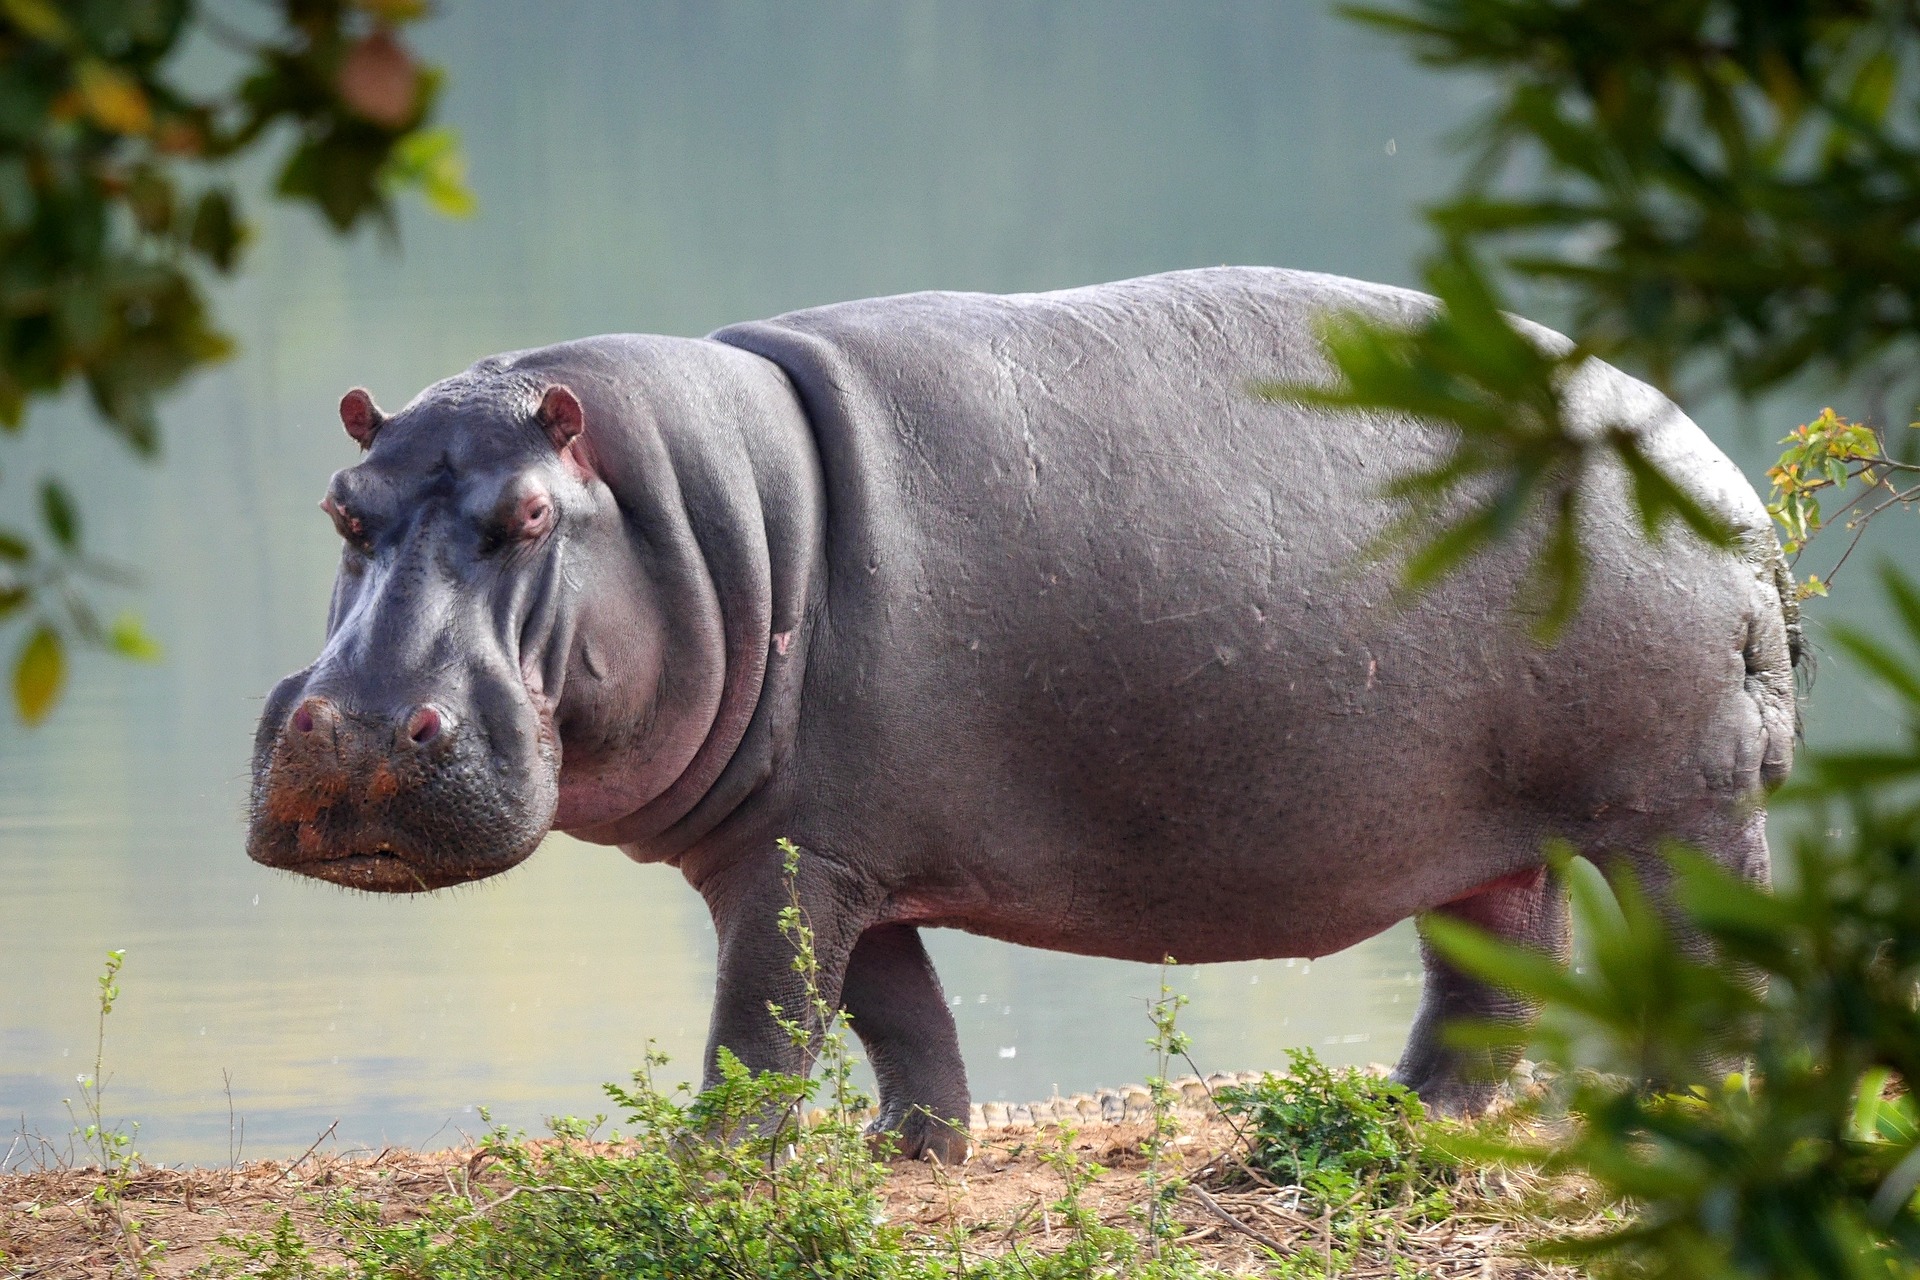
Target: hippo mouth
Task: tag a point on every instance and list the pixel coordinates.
(384, 869)
(366, 804)
(378, 871)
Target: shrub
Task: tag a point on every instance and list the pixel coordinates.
(701, 1187)
(1340, 1135)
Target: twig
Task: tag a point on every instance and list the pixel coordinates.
(233, 1152)
(1018, 1218)
(1860, 524)
(324, 1133)
(1187, 1057)
(1217, 1210)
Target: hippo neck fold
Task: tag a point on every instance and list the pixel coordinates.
(711, 441)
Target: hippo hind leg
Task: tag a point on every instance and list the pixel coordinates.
(1528, 909)
(898, 1010)
(1531, 910)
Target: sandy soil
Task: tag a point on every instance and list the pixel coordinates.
(52, 1226)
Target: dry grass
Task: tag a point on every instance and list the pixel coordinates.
(52, 1225)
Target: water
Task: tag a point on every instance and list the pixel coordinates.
(665, 168)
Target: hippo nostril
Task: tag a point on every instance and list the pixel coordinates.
(308, 713)
(424, 725)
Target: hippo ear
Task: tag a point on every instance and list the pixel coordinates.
(361, 416)
(561, 416)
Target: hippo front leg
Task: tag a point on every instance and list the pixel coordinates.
(756, 960)
(899, 1012)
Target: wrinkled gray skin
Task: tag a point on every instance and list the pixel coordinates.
(1020, 615)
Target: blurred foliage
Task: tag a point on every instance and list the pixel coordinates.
(1751, 1101)
(1726, 185)
(1723, 194)
(1718, 193)
(114, 209)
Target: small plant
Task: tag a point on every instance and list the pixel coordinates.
(1094, 1247)
(1168, 1044)
(109, 1145)
(821, 1024)
(1343, 1136)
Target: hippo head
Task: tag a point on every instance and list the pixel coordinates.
(527, 631)
(420, 749)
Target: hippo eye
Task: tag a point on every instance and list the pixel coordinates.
(529, 518)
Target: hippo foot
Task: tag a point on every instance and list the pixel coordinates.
(1455, 1099)
(901, 1133)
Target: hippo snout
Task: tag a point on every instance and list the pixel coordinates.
(399, 800)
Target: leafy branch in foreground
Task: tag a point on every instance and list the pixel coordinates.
(113, 212)
(1808, 1166)
(1519, 457)
(1723, 190)
(1724, 183)
(1779, 1137)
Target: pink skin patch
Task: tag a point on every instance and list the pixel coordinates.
(1525, 878)
(782, 641)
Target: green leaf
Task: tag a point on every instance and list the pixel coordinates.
(113, 98)
(39, 19)
(38, 674)
(1657, 498)
(218, 234)
(17, 197)
(128, 638)
(1514, 968)
(58, 514)
(430, 161)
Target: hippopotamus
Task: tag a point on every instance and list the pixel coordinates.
(1024, 615)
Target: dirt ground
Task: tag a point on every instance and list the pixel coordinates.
(53, 1227)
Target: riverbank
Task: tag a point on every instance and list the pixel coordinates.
(62, 1223)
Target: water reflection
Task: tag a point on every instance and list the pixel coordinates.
(669, 168)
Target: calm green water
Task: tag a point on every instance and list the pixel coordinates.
(665, 168)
